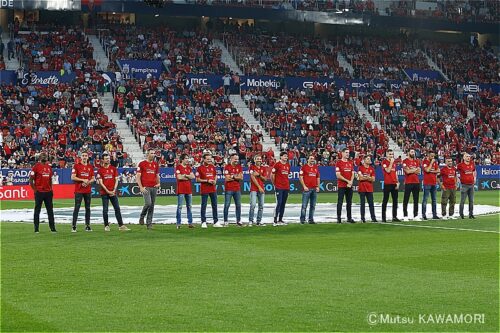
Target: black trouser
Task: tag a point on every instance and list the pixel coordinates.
(78, 203)
(106, 198)
(413, 189)
(347, 192)
(369, 197)
(44, 197)
(390, 189)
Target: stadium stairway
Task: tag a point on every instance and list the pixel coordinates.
(226, 57)
(245, 112)
(99, 53)
(433, 65)
(13, 63)
(343, 62)
(130, 144)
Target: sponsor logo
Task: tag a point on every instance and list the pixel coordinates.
(263, 83)
(35, 79)
(200, 81)
(311, 84)
(6, 3)
(472, 88)
(144, 70)
(360, 85)
(490, 172)
(17, 193)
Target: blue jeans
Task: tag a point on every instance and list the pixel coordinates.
(204, 203)
(308, 197)
(254, 197)
(227, 202)
(281, 198)
(429, 189)
(180, 202)
(106, 198)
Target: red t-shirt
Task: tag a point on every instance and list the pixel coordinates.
(83, 172)
(183, 186)
(430, 178)
(261, 171)
(208, 172)
(346, 169)
(310, 174)
(232, 170)
(389, 177)
(449, 177)
(281, 172)
(149, 172)
(42, 175)
(108, 176)
(466, 172)
(365, 185)
(411, 178)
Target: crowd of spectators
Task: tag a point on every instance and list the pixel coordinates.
(187, 51)
(59, 120)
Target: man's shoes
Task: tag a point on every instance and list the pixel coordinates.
(417, 219)
(73, 229)
(312, 222)
(141, 220)
(374, 220)
(191, 226)
(218, 225)
(351, 221)
(395, 219)
(472, 217)
(275, 224)
(204, 225)
(302, 222)
(261, 224)
(54, 231)
(462, 216)
(106, 228)
(424, 218)
(436, 218)
(363, 221)
(123, 228)
(239, 224)
(88, 228)
(37, 232)
(150, 227)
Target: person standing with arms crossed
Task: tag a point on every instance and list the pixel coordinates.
(83, 176)
(309, 179)
(467, 173)
(148, 179)
(449, 186)
(391, 186)
(107, 178)
(233, 174)
(279, 177)
(206, 175)
(411, 168)
(344, 170)
(366, 177)
(431, 170)
(184, 175)
(41, 183)
(257, 193)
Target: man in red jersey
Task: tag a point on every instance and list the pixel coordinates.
(344, 170)
(449, 186)
(411, 168)
(83, 176)
(148, 179)
(366, 177)
(309, 179)
(184, 175)
(391, 186)
(279, 177)
(467, 172)
(431, 170)
(257, 192)
(41, 183)
(107, 178)
(233, 175)
(206, 175)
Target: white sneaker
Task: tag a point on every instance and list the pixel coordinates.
(73, 230)
(275, 224)
(250, 224)
(106, 228)
(218, 225)
(204, 225)
(123, 228)
(283, 223)
(261, 224)
(453, 217)
(444, 217)
(406, 219)
(417, 218)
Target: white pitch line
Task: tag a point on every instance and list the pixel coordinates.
(437, 227)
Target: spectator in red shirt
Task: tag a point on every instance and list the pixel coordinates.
(449, 185)
(391, 186)
(233, 175)
(279, 177)
(309, 179)
(206, 175)
(411, 168)
(431, 170)
(184, 175)
(366, 177)
(83, 176)
(257, 191)
(41, 183)
(107, 178)
(148, 179)
(467, 172)
(344, 170)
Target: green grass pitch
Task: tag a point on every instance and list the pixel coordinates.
(325, 277)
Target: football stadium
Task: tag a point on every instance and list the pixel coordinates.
(249, 165)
